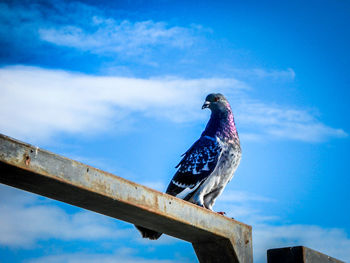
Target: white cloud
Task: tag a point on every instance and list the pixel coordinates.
(37, 103)
(43, 220)
(277, 121)
(125, 37)
(89, 28)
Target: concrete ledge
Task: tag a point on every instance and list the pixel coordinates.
(215, 238)
(298, 254)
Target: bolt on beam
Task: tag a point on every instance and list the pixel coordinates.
(215, 238)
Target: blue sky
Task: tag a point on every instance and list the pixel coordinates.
(119, 85)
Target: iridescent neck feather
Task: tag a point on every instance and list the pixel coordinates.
(222, 125)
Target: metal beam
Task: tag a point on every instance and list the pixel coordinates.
(299, 254)
(215, 238)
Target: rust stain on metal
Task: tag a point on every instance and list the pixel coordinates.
(155, 199)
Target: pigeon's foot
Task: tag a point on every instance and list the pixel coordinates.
(221, 213)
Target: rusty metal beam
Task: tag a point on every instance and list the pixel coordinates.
(215, 238)
(299, 254)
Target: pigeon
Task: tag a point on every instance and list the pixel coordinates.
(209, 164)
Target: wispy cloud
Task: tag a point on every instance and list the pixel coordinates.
(38, 103)
(105, 36)
(284, 122)
(42, 219)
(89, 29)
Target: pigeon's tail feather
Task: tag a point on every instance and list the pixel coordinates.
(148, 233)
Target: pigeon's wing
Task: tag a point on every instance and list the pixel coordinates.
(196, 165)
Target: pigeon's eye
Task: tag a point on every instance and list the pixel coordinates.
(216, 99)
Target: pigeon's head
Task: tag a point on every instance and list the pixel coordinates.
(216, 102)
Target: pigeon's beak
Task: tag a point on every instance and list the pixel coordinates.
(206, 105)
